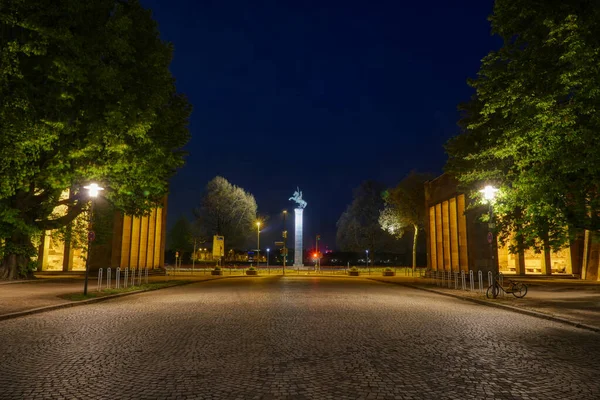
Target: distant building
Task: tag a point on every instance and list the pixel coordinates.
(457, 241)
(121, 241)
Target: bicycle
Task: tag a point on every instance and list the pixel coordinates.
(517, 289)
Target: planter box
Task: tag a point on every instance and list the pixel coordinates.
(248, 272)
(353, 273)
(389, 273)
(213, 272)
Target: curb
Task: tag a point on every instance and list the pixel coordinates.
(91, 301)
(504, 306)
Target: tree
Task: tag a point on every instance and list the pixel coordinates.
(358, 227)
(227, 210)
(531, 127)
(85, 94)
(405, 209)
(181, 237)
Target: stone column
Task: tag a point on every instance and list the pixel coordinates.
(298, 238)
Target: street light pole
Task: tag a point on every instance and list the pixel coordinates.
(194, 256)
(257, 244)
(93, 190)
(489, 193)
(284, 241)
(368, 266)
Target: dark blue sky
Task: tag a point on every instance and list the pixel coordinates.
(318, 94)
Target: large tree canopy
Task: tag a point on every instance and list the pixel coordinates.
(85, 94)
(532, 126)
(227, 210)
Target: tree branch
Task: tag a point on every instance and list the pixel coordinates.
(51, 224)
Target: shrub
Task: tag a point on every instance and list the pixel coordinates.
(353, 269)
(388, 269)
(217, 268)
(251, 269)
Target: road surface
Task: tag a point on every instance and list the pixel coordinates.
(295, 338)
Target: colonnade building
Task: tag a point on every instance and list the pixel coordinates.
(458, 241)
(122, 241)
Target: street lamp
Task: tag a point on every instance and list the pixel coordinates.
(268, 254)
(368, 267)
(93, 190)
(284, 234)
(257, 243)
(489, 194)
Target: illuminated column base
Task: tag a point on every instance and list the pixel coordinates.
(298, 238)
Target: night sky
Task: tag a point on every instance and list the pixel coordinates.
(318, 94)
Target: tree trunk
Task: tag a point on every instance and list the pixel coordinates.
(415, 247)
(18, 249)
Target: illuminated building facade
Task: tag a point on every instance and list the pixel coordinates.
(123, 241)
(457, 241)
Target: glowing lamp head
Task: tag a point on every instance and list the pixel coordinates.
(268, 249)
(258, 224)
(489, 192)
(93, 189)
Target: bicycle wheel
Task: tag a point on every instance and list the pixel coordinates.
(519, 290)
(492, 292)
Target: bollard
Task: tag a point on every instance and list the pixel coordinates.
(449, 279)
(501, 279)
(443, 280)
(126, 278)
(471, 281)
(480, 277)
(146, 275)
(132, 277)
(108, 278)
(463, 281)
(490, 278)
(118, 278)
(99, 288)
(140, 270)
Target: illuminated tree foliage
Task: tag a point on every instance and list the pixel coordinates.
(404, 209)
(532, 126)
(85, 94)
(227, 210)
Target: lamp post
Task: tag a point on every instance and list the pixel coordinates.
(368, 267)
(257, 243)
(489, 193)
(93, 190)
(284, 234)
(268, 254)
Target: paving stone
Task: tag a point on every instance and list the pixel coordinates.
(294, 338)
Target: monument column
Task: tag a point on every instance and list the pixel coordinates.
(298, 238)
(300, 206)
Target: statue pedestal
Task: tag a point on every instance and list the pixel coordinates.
(298, 238)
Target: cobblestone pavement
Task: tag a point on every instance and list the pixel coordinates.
(295, 338)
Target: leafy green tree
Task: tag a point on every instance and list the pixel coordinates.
(227, 210)
(85, 94)
(404, 209)
(532, 125)
(358, 227)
